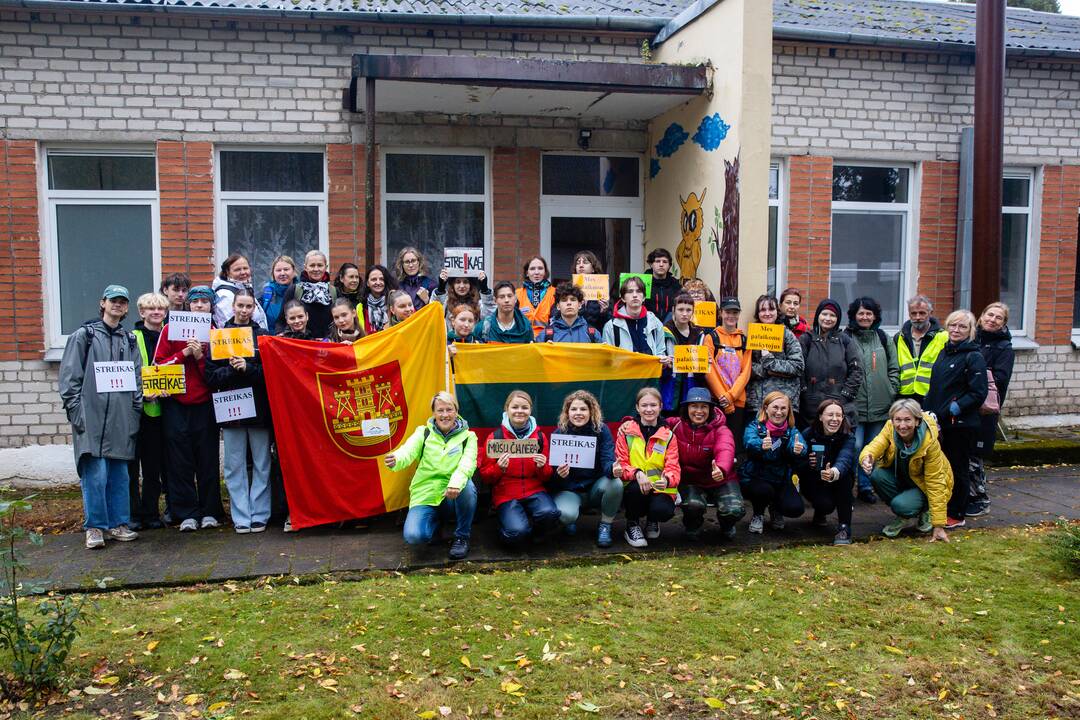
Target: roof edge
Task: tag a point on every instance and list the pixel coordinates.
(610, 23)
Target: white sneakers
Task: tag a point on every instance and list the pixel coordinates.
(122, 533)
(210, 522)
(189, 525)
(95, 537)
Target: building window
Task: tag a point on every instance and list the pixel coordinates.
(870, 219)
(434, 200)
(102, 227)
(1015, 246)
(774, 268)
(271, 202)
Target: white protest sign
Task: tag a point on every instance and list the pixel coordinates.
(185, 326)
(463, 261)
(115, 376)
(234, 405)
(376, 427)
(577, 451)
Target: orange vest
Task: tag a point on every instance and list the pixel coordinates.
(541, 314)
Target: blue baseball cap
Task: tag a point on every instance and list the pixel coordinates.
(116, 291)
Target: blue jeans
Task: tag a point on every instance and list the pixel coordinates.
(105, 492)
(249, 500)
(865, 432)
(423, 520)
(606, 494)
(519, 518)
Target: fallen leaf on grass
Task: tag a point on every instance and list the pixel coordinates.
(91, 690)
(464, 660)
(192, 699)
(714, 702)
(215, 707)
(234, 674)
(588, 707)
(949, 610)
(427, 715)
(511, 688)
(893, 649)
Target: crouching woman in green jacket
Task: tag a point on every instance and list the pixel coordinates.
(441, 488)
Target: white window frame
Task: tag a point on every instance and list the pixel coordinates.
(1031, 256)
(55, 339)
(907, 242)
(781, 226)
(592, 206)
(224, 199)
(435, 264)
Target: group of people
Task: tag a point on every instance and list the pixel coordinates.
(838, 412)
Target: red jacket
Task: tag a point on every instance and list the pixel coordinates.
(170, 352)
(521, 478)
(699, 447)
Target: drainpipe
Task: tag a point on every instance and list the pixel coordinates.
(989, 138)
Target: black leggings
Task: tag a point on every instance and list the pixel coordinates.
(958, 444)
(781, 497)
(656, 506)
(825, 497)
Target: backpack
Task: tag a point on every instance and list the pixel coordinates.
(549, 334)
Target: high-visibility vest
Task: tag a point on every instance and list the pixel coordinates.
(153, 407)
(915, 372)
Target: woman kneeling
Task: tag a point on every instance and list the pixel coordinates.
(774, 447)
(647, 461)
(828, 475)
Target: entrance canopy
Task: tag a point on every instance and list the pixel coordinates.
(467, 85)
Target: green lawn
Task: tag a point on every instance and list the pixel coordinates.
(983, 627)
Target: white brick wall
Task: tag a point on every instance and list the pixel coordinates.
(1044, 382)
(872, 103)
(30, 410)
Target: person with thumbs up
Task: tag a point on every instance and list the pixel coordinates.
(827, 475)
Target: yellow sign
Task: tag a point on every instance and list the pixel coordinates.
(691, 359)
(595, 287)
(705, 314)
(232, 342)
(765, 336)
(163, 380)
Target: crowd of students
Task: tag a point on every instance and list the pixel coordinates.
(841, 411)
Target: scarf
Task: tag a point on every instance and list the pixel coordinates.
(521, 332)
(535, 291)
(351, 335)
(519, 433)
(376, 307)
(776, 431)
(459, 425)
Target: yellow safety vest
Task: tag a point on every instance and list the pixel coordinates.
(915, 372)
(153, 407)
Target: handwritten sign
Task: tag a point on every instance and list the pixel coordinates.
(705, 314)
(516, 448)
(163, 380)
(691, 359)
(232, 342)
(234, 405)
(577, 451)
(185, 326)
(645, 278)
(463, 261)
(115, 376)
(376, 427)
(765, 336)
(594, 287)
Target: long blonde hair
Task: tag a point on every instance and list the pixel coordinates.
(769, 400)
(399, 264)
(596, 417)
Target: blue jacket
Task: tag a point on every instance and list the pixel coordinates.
(839, 452)
(581, 479)
(776, 464)
(558, 331)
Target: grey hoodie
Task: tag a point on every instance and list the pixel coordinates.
(102, 424)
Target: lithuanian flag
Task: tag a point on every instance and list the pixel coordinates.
(485, 374)
(338, 409)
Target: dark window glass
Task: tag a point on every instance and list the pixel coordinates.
(435, 174)
(1014, 231)
(431, 226)
(262, 232)
(244, 171)
(102, 172)
(1014, 193)
(867, 259)
(857, 183)
(590, 175)
(98, 245)
(607, 238)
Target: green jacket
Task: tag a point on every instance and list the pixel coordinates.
(443, 462)
(881, 375)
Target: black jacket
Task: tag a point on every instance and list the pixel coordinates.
(959, 375)
(833, 369)
(221, 376)
(997, 351)
(839, 453)
(663, 297)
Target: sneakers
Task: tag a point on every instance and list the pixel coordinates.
(867, 496)
(976, 508)
(122, 533)
(189, 525)
(634, 536)
(241, 529)
(843, 536)
(895, 527)
(776, 520)
(258, 527)
(925, 525)
(757, 524)
(570, 530)
(603, 535)
(94, 539)
(652, 530)
(459, 548)
(210, 522)
(288, 525)
(953, 523)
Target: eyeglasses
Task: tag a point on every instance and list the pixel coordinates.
(410, 261)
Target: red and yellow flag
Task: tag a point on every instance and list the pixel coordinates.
(324, 397)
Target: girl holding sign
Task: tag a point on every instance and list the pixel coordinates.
(595, 312)
(773, 447)
(589, 486)
(774, 372)
(249, 498)
(647, 462)
(828, 473)
(536, 297)
(452, 292)
(680, 330)
(191, 433)
(150, 444)
(524, 508)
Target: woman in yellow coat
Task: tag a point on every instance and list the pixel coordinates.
(909, 470)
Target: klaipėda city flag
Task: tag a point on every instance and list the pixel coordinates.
(485, 374)
(320, 394)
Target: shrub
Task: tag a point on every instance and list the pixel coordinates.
(1064, 545)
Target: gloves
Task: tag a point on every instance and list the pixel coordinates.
(954, 408)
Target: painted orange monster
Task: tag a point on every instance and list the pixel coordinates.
(688, 253)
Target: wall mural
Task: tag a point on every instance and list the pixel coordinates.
(688, 253)
(729, 246)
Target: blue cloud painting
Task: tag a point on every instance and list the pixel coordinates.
(654, 168)
(673, 139)
(710, 132)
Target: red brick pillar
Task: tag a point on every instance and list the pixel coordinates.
(347, 170)
(186, 186)
(809, 246)
(515, 210)
(1057, 254)
(937, 234)
(20, 241)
